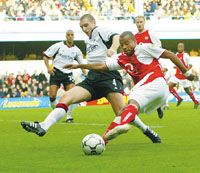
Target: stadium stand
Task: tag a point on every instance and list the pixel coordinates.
(37, 10)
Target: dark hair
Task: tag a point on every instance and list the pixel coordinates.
(129, 33)
(88, 16)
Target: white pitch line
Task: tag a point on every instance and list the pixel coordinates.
(84, 124)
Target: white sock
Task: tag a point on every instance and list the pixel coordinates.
(53, 104)
(70, 110)
(54, 116)
(138, 123)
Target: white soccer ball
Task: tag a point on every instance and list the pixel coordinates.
(93, 144)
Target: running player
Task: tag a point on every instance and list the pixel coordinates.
(151, 89)
(146, 36)
(62, 53)
(180, 78)
(102, 42)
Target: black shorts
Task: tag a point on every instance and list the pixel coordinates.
(101, 84)
(61, 78)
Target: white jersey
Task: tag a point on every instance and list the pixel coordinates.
(63, 55)
(98, 44)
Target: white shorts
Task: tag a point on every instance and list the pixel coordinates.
(151, 95)
(183, 82)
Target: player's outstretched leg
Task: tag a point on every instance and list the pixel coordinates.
(41, 128)
(121, 124)
(33, 127)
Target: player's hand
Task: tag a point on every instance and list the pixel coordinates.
(71, 66)
(111, 52)
(191, 77)
(51, 71)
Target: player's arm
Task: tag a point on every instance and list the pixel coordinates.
(114, 46)
(51, 52)
(79, 59)
(109, 65)
(95, 66)
(48, 66)
(169, 55)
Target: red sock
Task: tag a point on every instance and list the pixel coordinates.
(128, 114)
(62, 105)
(193, 98)
(173, 91)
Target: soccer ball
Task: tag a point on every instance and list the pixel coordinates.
(93, 144)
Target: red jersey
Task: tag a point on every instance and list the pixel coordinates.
(147, 37)
(184, 57)
(143, 64)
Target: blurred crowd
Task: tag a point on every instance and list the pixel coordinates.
(32, 10)
(36, 10)
(175, 9)
(23, 85)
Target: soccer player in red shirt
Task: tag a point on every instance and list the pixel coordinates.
(146, 36)
(180, 78)
(150, 90)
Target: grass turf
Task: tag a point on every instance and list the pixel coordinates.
(59, 150)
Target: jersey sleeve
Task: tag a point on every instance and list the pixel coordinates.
(154, 39)
(79, 56)
(52, 51)
(151, 50)
(112, 64)
(106, 34)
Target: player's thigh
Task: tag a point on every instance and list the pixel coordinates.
(75, 95)
(53, 91)
(69, 86)
(117, 101)
(150, 96)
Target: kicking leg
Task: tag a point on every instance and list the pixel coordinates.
(70, 97)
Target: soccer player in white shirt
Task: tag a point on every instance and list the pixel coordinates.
(62, 53)
(151, 89)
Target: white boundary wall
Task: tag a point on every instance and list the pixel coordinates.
(55, 30)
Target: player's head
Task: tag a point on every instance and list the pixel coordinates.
(69, 36)
(87, 23)
(180, 47)
(140, 22)
(127, 42)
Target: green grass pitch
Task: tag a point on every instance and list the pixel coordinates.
(59, 150)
